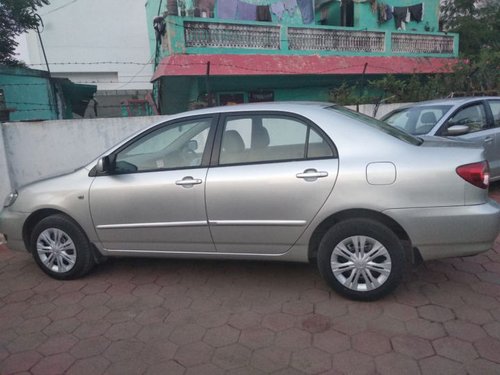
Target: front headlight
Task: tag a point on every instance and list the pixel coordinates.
(11, 198)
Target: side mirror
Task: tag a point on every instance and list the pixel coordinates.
(457, 130)
(103, 165)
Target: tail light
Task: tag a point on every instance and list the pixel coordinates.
(478, 174)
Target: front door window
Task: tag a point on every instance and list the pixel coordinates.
(177, 146)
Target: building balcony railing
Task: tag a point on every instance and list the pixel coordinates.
(202, 35)
(309, 39)
(422, 43)
(222, 35)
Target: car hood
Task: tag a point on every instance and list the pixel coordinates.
(50, 177)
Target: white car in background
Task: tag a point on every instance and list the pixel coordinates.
(476, 119)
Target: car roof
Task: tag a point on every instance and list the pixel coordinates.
(265, 106)
(449, 101)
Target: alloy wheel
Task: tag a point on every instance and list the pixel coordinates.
(361, 263)
(56, 250)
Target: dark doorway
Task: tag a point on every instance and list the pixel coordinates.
(347, 13)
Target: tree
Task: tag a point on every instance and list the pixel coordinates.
(477, 22)
(16, 17)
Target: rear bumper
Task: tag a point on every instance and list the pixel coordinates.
(443, 232)
(11, 226)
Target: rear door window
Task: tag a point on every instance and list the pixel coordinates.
(266, 138)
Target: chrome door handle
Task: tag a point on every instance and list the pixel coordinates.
(311, 174)
(488, 140)
(186, 181)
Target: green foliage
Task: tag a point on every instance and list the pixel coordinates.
(391, 86)
(343, 95)
(413, 89)
(480, 74)
(474, 77)
(478, 77)
(16, 17)
(477, 22)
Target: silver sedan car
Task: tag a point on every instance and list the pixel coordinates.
(276, 181)
(473, 119)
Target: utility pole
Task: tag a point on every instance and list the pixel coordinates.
(41, 42)
(52, 86)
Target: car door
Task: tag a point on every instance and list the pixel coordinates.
(153, 200)
(494, 106)
(272, 174)
(474, 115)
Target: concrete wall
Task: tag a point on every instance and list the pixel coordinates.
(5, 186)
(36, 150)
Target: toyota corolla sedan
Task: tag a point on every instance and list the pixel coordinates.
(276, 181)
(473, 119)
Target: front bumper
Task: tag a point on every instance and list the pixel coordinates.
(11, 226)
(443, 232)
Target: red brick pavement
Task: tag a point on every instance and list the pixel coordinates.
(150, 316)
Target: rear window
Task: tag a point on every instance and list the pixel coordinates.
(382, 126)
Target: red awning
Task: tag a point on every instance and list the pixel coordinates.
(262, 65)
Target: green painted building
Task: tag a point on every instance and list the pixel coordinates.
(218, 52)
(29, 95)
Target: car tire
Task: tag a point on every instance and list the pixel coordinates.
(61, 248)
(361, 259)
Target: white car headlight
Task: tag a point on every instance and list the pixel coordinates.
(11, 198)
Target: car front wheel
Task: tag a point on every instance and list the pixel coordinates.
(361, 259)
(60, 248)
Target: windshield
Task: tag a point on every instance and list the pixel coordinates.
(417, 120)
(373, 122)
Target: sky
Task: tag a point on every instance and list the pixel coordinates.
(22, 49)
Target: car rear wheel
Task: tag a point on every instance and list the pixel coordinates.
(361, 259)
(60, 248)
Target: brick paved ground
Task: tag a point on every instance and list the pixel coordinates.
(136, 316)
